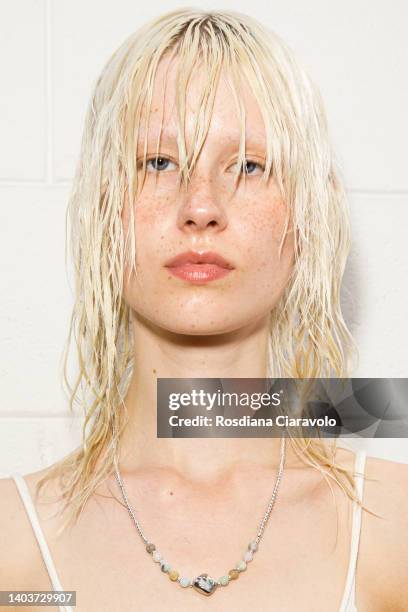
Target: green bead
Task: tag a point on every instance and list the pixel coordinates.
(241, 566)
(224, 580)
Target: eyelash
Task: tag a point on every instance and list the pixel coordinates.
(159, 157)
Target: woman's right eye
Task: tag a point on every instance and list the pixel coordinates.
(159, 164)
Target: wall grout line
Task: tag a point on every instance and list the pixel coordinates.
(23, 183)
(378, 192)
(34, 183)
(48, 93)
(39, 416)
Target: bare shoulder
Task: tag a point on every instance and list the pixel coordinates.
(14, 535)
(20, 559)
(384, 538)
(382, 565)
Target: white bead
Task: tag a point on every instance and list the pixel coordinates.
(156, 556)
(253, 546)
(241, 566)
(184, 582)
(248, 556)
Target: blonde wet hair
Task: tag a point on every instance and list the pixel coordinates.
(308, 335)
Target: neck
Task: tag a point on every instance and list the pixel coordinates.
(161, 354)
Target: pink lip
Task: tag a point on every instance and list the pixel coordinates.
(199, 268)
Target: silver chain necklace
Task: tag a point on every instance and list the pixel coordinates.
(204, 583)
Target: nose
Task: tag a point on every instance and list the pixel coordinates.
(201, 209)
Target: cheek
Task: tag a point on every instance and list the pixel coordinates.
(263, 229)
(151, 225)
(265, 272)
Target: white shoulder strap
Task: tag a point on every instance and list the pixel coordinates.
(39, 534)
(348, 602)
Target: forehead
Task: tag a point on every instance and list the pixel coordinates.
(224, 123)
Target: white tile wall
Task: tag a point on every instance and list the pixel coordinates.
(36, 297)
(28, 444)
(51, 54)
(23, 100)
(375, 285)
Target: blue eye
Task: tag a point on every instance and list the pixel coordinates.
(158, 164)
(250, 167)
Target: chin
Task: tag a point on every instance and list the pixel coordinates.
(192, 326)
(198, 321)
(197, 328)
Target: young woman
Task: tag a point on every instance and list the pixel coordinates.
(209, 233)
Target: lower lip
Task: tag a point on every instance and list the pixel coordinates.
(199, 273)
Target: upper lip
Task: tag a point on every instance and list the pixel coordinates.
(197, 257)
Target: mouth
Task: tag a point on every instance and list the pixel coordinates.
(199, 267)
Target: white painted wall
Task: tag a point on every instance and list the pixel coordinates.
(51, 54)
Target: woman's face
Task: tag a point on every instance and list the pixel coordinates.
(208, 226)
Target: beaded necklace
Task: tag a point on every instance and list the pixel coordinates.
(203, 583)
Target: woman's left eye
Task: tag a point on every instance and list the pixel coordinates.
(158, 164)
(250, 167)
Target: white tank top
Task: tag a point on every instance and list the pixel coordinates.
(348, 602)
